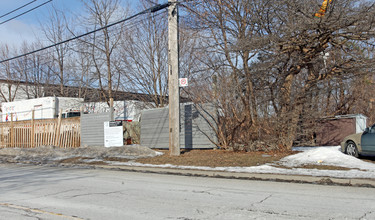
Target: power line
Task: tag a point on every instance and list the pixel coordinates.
(152, 10)
(17, 8)
(25, 12)
(151, 2)
(128, 28)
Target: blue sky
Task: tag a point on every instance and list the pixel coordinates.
(26, 27)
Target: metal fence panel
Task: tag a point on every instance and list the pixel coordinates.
(92, 128)
(194, 128)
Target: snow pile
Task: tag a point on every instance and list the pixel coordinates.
(45, 154)
(330, 156)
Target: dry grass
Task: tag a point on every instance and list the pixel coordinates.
(216, 158)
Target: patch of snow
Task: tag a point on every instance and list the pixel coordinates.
(331, 156)
(92, 160)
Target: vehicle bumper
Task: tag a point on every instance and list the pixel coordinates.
(342, 146)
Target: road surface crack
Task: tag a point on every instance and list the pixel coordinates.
(33, 211)
(363, 217)
(261, 201)
(203, 191)
(274, 213)
(89, 194)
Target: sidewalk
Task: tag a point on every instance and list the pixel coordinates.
(246, 176)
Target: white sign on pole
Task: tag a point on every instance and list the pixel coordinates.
(183, 82)
(113, 136)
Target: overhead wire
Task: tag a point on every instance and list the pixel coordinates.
(23, 13)
(152, 10)
(129, 27)
(133, 25)
(6, 14)
(48, 63)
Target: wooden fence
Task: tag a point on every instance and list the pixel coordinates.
(64, 133)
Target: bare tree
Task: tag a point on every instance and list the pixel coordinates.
(34, 70)
(279, 62)
(145, 55)
(8, 90)
(56, 31)
(301, 44)
(82, 68)
(104, 45)
(232, 38)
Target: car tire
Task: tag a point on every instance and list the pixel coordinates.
(351, 149)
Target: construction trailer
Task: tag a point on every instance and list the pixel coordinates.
(127, 110)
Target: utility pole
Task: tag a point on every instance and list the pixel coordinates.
(173, 75)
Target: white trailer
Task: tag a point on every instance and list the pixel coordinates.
(128, 110)
(44, 108)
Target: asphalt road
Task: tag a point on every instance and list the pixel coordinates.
(38, 192)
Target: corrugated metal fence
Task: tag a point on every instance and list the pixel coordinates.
(93, 128)
(64, 133)
(195, 127)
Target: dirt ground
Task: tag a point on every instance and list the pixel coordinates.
(215, 158)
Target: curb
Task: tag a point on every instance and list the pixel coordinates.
(369, 183)
(319, 180)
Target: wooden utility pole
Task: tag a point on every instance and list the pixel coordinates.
(173, 75)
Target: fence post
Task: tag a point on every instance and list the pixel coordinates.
(32, 128)
(81, 110)
(11, 131)
(2, 135)
(111, 109)
(57, 134)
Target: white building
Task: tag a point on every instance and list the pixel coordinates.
(127, 106)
